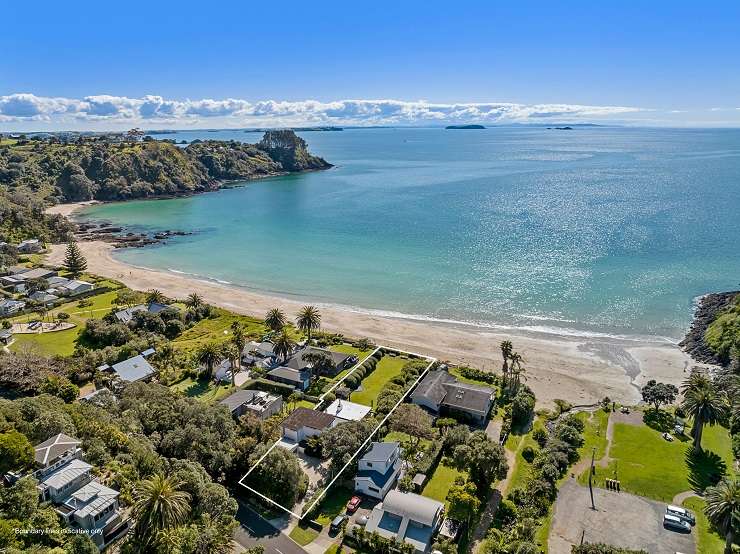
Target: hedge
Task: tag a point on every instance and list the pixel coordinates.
(272, 386)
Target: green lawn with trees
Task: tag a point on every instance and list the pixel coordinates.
(388, 368)
(442, 479)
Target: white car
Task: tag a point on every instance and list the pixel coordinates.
(682, 513)
(676, 523)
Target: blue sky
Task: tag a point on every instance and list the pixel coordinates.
(247, 63)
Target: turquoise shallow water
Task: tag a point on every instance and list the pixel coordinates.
(595, 230)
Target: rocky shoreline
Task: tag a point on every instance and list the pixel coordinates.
(120, 237)
(710, 306)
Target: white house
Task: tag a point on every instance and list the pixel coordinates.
(378, 469)
(408, 517)
(95, 508)
(9, 307)
(304, 423)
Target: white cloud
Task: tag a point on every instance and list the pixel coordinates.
(155, 110)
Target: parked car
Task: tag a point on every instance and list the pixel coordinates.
(676, 523)
(682, 513)
(337, 524)
(353, 504)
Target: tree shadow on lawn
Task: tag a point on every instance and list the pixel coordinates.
(197, 388)
(660, 420)
(706, 469)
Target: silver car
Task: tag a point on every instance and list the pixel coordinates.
(676, 523)
(682, 513)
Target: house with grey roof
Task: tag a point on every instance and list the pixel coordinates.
(338, 361)
(43, 297)
(301, 380)
(10, 307)
(60, 483)
(76, 287)
(95, 508)
(441, 393)
(261, 404)
(124, 316)
(30, 246)
(54, 453)
(378, 469)
(407, 517)
(134, 369)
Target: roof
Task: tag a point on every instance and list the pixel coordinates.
(305, 417)
(9, 302)
(54, 447)
(156, 307)
(296, 361)
(134, 369)
(380, 451)
(254, 398)
(469, 397)
(380, 479)
(56, 280)
(75, 284)
(40, 296)
(347, 410)
(413, 506)
(289, 374)
(38, 273)
(265, 348)
(67, 474)
(124, 316)
(433, 385)
(93, 498)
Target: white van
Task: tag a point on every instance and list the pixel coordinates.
(683, 513)
(676, 523)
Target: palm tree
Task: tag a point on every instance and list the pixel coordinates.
(293, 399)
(159, 504)
(155, 296)
(283, 344)
(275, 319)
(209, 355)
(232, 354)
(703, 403)
(194, 300)
(515, 369)
(506, 349)
(308, 320)
(723, 508)
(239, 340)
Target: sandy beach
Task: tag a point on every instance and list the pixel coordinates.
(581, 370)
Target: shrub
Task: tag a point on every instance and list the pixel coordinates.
(562, 406)
(364, 344)
(478, 375)
(522, 408)
(528, 453)
(540, 436)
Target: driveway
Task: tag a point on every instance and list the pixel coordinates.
(254, 530)
(620, 519)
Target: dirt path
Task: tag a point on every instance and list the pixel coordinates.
(678, 500)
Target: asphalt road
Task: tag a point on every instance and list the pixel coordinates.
(254, 529)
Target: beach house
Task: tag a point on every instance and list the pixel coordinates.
(304, 423)
(441, 393)
(300, 380)
(261, 404)
(134, 369)
(333, 362)
(378, 469)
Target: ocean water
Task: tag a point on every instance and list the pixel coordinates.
(595, 230)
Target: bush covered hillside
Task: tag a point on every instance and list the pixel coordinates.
(723, 334)
(106, 170)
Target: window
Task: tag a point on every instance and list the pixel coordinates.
(369, 464)
(373, 489)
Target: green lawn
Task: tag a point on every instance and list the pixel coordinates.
(398, 436)
(443, 478)
(333, 504)
(594, 433)
(333, 549)
(303, 535)
(456, 372)
(648, 465)
(216, 329)
(388, 367)
(202, 389)
(348, 349)
(708, 541)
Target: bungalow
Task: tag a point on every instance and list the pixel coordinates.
(56, 281)
(124, 316)
(36, 273)
(259, 353)
(75, 287)
(9, 307)
(43, 297)
(441, 393)
(134, 369)
(408, 517)
(337, 361)
(6, 336)
(304, 423)
(30, 246)
(378, 469)
(301, 380)
(259, 403)
(348, 411)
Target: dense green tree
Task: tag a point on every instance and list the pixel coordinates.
(275, 319)
(74, 261)
(658, 394)
(484, 460)
(703, 403)
(279, 476)
(723, 509)
(283, 344)
(463, 501)
(209, 354)
(16, 452)
(308, 320)
(159, 504)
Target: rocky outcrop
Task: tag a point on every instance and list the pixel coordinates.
(710, 306)
(290, 151)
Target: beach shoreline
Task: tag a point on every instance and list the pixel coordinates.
(581, 370)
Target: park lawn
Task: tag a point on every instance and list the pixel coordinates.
(648, 465)
(594, 433)
(303, 535)
(204, 390)
(54, 343)
(333, 504)
(442, 479)
(708, 540)
(388, 367)
(216, 329)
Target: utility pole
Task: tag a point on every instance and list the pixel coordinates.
(590, 479)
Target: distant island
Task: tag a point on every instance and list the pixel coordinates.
(566, 128)
(465, 127)
(297, 129)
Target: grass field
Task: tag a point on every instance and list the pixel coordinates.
(648, 465)
(203, 389)
(388, 367)
(398, 436)
(303, 535)
(594, 434)
(216, 329)
(443, 478)
(708, 541)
